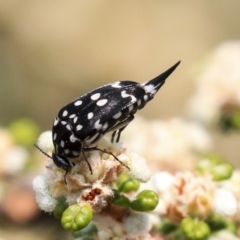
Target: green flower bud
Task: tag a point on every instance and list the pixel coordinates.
(216, 166)
(127, 184)
(76, 217)
(167, 227)
(222, 171)
(194, 230)
(236, 120)
(146, 200)
(88, 233)
(24, 131)
(216, 222)
(120, 200)
(61, 207)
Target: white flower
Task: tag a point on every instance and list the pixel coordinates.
(162, 181)
(219, 84)
(137, 224)
(225, 203)
(138, 167)
(44, 199)
(40, 184)
(45, 141)
(188, 195)
(15, 159)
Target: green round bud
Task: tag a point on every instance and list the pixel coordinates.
(76, 217)
(61, 207)
(127, 184)
(146, 200)
(216, 166)
(120, 200)
(216, 222)
(167, 227)
(222, 171)
(194, 230)
(121, 179)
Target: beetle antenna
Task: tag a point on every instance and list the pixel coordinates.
(42, 151)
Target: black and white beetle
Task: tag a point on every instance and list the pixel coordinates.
(109, 108)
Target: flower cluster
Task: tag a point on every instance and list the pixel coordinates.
(163, 143)
(218, 88)
(107, 196)
(188, 195)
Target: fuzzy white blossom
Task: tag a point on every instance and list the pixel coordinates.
(225, 203)
(162, 180)
(15, 159)
(45, 141)
(137, 224)
(45, 200)
(138, 167)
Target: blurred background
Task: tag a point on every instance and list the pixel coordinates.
(54, 51)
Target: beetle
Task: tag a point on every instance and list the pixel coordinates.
(109, 108)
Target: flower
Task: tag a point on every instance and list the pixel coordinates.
(225, 203)
(218, 87)
(45, 141)
(82, 189)
(188, 195)
(163, 143)
(44, 198)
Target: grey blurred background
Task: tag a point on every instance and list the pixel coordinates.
(53, 51)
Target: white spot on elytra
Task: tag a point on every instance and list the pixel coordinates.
(116, 85)
(62, 143)
(102, 102)
(72, 116)
(55, 122)
(73, 138)
(78, 103)
(145, 97)
(55, 136)
(95, 96)
(75, 119)
(97, 125)
(63, 122)
(79, 127)
(130, 108)
(125, 95)
(153, 92)
(117, 115)
(65, 113)
(105, 126)
(139, 102)
(90, 115)
(66, 151)
(148, 88)
(68, 127)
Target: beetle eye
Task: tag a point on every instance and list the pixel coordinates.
(62, 162)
